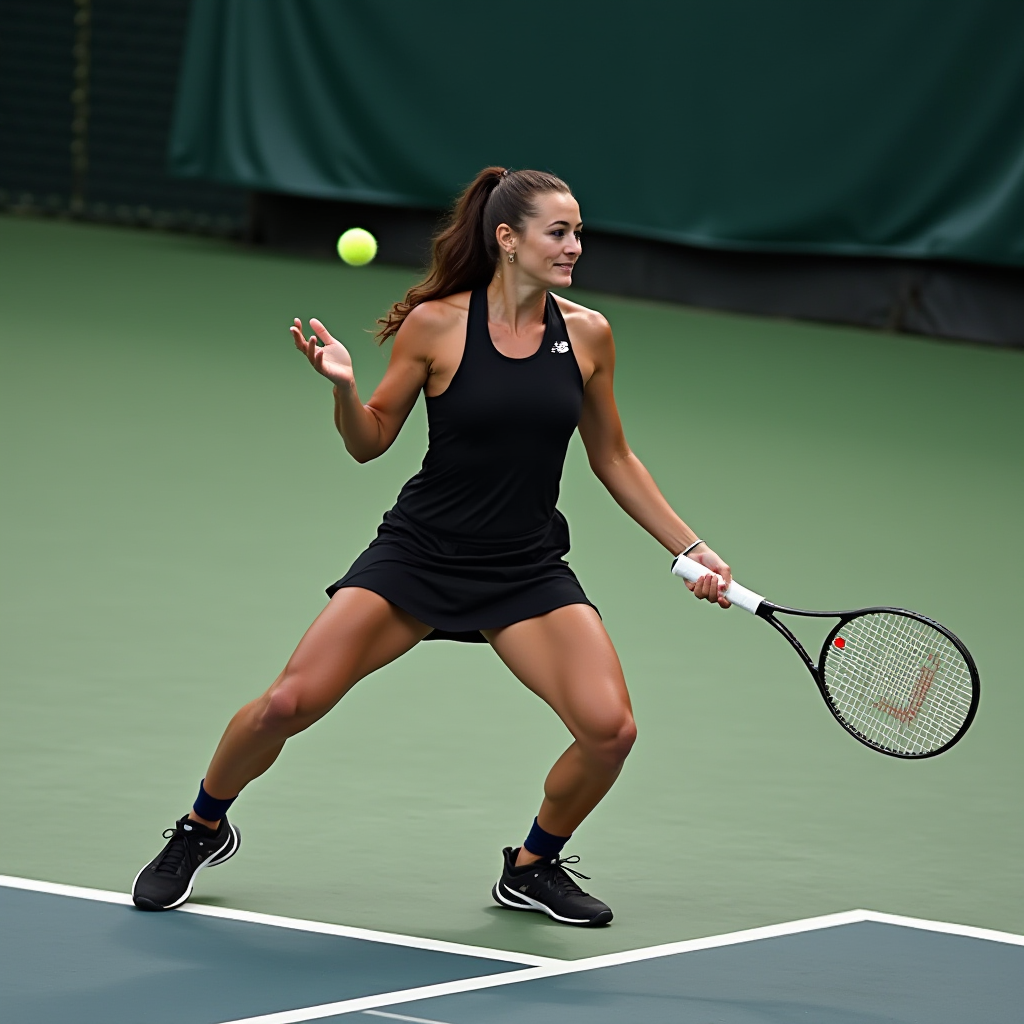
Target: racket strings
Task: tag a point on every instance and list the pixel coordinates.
(898, 682)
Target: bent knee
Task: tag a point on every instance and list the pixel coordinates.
(612, 744)
(625, 737)
(288, 708)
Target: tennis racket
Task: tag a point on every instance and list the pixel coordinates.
(897, 681)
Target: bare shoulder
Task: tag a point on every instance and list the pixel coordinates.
(591, 337)
(584, 324)
(436, 318)
(433, 335)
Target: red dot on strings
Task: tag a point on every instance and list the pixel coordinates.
(839, 642)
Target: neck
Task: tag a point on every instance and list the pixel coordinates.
(517, 304)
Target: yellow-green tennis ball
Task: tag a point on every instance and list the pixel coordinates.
(357, 247)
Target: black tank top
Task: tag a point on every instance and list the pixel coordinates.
(498, 435)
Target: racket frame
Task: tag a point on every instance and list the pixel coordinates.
(760, 606)
(767, 610)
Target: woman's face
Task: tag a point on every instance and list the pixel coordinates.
(549, 244)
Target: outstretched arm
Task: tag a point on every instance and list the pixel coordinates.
(369, 429)
(626, 477)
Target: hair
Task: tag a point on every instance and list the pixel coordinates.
(465, 250)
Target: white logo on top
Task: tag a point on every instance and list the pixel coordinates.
(561, 347)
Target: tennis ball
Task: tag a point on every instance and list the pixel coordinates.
(357, 247)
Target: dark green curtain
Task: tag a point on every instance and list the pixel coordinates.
(891, 127)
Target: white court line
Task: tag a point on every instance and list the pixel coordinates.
(449, 988)
(537, 967)
(964, 930)
(408, 995)
(365, 1003)
(296, 924)
(402, 1016)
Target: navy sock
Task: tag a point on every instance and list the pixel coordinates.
(544, 844)
(209, 807)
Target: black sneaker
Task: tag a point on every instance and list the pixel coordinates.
(546, 886)
(166, 881)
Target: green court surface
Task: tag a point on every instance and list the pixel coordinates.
(175, 499)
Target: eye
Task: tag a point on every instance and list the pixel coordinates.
(579, 236)
(559, 232)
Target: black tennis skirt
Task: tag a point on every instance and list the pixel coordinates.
(460, 585)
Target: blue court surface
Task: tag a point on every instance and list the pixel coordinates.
(84, 956)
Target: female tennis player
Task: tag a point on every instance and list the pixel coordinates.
(473, 548)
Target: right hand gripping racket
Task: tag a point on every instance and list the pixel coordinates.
(895, 680)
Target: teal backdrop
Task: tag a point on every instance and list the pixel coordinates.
(856, 126)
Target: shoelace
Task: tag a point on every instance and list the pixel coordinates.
(565, 883)
(574, 859)
(174, 853)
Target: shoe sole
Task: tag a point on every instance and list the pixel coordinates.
(226, 852)
(517, 901)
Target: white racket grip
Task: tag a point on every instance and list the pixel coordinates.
(739, 596)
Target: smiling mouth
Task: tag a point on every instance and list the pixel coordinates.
(565, 266)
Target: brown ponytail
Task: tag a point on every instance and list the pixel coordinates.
(465, 251)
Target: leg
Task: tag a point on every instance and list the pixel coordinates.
(568, 660)
(357, 633)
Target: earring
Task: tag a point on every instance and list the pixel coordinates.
(512, 256)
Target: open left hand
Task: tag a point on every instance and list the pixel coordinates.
(709, 588)
(330, 357)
